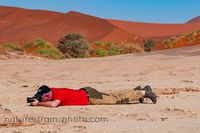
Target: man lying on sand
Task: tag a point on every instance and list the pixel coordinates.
(54, 97)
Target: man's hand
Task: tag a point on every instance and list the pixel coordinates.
(35, 103)
(53, 104)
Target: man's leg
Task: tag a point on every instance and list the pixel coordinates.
(106, 100)
(119, 97)
(126, 96)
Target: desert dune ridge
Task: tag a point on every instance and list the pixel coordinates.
(22, 25)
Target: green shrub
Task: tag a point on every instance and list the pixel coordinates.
(50, 53)
(43, 48)
(74, 45)
(37, 43)
(101, 52)
(114, 48)
(148, 45)
(11, 46)
(113, 51)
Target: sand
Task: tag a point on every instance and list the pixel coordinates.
(174, 75)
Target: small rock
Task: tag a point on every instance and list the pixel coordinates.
(168, 109)
(164, 118)
(24, 86)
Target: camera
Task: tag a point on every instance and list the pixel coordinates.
(32, 99)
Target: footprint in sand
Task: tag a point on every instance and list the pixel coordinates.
(80, 128)
(4, 110)
(178, 112)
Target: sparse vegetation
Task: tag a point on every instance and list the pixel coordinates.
(170, 43)
(113, 51)
(11, 46)
(106, 48)
(50, 53)
(149, 45)
(74, 45)
(113, 48)
(43, 48)
(184, 40)
(131, 48)
(37, 44)
(101, 52)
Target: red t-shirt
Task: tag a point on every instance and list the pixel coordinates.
(69, 96)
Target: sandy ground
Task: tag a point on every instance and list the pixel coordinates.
(174, 75)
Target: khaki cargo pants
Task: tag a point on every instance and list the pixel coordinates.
(118, 97)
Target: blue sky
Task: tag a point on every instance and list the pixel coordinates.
(159, 11)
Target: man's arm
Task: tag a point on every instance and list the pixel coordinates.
(54, 103)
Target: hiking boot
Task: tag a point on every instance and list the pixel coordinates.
(151, 96)
(147, 89)
(141, 100)
(148, 94)
(138, 88)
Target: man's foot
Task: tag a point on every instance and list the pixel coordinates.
(151, 96)
(148, 94)
(141, 100)
(138, 88)
(147, 89)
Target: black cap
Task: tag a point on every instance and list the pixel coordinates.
(42, 90)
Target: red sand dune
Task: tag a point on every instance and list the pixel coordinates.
(194, 20)
(157, 32)
(17, 24)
